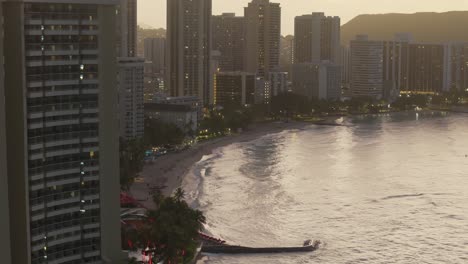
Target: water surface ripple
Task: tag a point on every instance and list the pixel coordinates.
(383, 189)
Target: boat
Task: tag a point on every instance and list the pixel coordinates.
(230, 249)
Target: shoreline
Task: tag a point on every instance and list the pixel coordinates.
(168, 172)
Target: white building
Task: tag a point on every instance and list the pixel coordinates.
(131, 101)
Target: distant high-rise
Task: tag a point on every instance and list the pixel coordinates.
(131, 102)
(61, 132)
(366, 68)
(395, 65)
(263, 34)
(228, 38)
(345, 62)
(317, 38)
(279, 82)
(129, 28)
(234, 88)
(458, 65)
(155, 52)
(317, 80)
(286, 53)
(188, 48)
(426, 68)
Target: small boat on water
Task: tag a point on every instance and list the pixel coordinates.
(229, 249)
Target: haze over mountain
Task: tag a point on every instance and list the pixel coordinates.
(425, 27)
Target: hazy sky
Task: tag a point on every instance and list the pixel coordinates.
(153, 12)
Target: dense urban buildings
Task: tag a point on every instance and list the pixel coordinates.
(384, 69)
(228, 38)
(131, 102)
(317, 80)
(61, 132)
(262, 37)
(188, 48)
(129, 26)
(155, 53)
(234, 88)
(317, 38)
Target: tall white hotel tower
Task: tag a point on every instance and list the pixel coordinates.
(59, 132)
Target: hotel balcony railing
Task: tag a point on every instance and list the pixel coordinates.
(63, 226)
(62, 136)
(62, 167)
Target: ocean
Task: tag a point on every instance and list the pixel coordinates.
(387, 188)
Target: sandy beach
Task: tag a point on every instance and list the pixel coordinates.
(167, 172)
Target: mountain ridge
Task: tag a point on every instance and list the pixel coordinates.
(434, 27)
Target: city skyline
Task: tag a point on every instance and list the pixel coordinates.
(346, 10)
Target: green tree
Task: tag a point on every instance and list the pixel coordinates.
(173, 228)
(132, 154)
(158, 133)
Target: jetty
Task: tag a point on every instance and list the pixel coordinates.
(222, 248)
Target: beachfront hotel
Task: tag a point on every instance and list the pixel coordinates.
(262, 37)
(317, 38)
(188, 48)
(61, 189)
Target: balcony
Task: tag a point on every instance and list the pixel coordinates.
(57, 153)
(63, 211)
(64, 240)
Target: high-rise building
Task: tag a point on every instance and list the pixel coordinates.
(458, 65)
(129, 28)
(366, 68)
(426, 68)
(228, 38)
(395, 65)
(5, 250)
(234, 88)
(61, 131)
(263, 34)
(155, 52)
(317, 80)
(262, 91)
(131, 102)
(279, 82)
(286, 53)
(345, 71)
(188, 48)
(317, 38)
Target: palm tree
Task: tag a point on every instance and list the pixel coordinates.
(179, 194)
